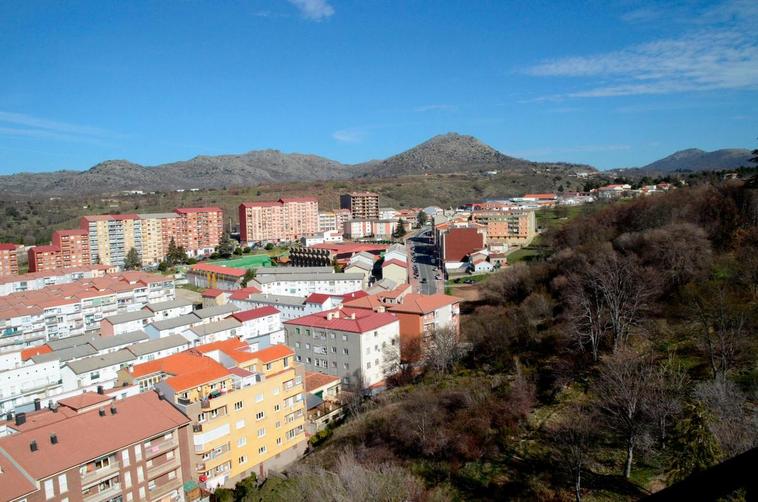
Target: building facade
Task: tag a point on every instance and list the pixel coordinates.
(8, 259)
(362, 205)
(286, 219)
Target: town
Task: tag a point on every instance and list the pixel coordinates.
(230, 365)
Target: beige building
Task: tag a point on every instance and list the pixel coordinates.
(362, 205)
(508, 227)
(286, 219)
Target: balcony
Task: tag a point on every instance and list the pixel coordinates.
(164, 489)
(104, 494)
(161, 447)
(97, 475)
(160, 469)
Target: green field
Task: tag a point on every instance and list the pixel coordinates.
(252, 261)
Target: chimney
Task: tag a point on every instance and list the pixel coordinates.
(20, 418)
(100, 390)
(33, 446)
(53, 438)
(161, 396)
(101, 411)
(113, 409)
(54, 407)
(37, 405)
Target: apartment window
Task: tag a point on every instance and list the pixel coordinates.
(307, 346)
(260, 415)
(49, 489)
(286, 362)
(240, 424)
(297, 345)
(346, 366)
(344, 351)
(127, 479)
(129, 497)
(279, 440)
(259, 398)
(94, 375)
(62, 483)
(276, 408)
(138, 453)
(368, 365)
(238, 405)
(308, 360)
(140, 475)
(334, 364)
(276, 390)
(299, 359)
(125, 458)
(142, 493)
(261, 432)
(262, 450)
(269, 366)
(344, 338)
(242, 459)
(241, 442)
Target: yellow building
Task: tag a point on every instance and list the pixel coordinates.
(247, 408)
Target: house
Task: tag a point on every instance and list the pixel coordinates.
(215, 331)
(208, 275)
(322, 399)
(125, 323)
(213, 297)
(355, 345)
(94, 447)
(169, 309)
(395, 270)
(261, 327)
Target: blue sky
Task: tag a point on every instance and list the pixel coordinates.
(612, 84)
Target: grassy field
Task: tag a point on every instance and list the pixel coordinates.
(249, 261)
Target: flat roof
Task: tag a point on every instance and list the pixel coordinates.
(129, 317)
(100, 361)
(175, 322)
(166, 342)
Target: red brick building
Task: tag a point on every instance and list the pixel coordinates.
(8, 259)
(69, 249)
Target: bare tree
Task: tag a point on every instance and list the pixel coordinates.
(733, 422)
(574, 437)
(669, 391)
(623, 395)
(442, 349)
(587, 313)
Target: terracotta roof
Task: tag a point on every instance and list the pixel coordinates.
(315, 380)
(459, 242)
(73, 231)
(34, 351)
(539, 196)
(319, 298)
(212, 293)
(197, 377)
(244, 293)
(273, 353)
(84, 400)
(412, 303)
(362, 322)
(249, 315)
(8, 246)
(395, 261)
(218, 269)
(86, 436)
(183, 210)
(354, 295)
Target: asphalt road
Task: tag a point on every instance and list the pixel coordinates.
(423, 254)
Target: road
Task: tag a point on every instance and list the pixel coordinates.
(423, 256)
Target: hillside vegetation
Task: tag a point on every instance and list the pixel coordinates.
(623, 360)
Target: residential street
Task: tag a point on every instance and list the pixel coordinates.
(423, 256)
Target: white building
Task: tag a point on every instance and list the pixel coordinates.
(355, 345)
(169, 309)
(21, 382)
(33, 281)
(215, 331)
(261, 327)
(303, 284)
(124, 323)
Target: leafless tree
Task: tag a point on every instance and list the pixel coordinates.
(574, 437)
(442, 348)
(353, 394)
(623, 394)
(734, 421)
(669, 391)
(587, 313)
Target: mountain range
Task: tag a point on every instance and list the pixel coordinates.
(448, 153)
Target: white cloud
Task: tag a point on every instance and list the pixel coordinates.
(37, 127)
(353, 135)
(723, 55)
(432, 108)
(315, 10)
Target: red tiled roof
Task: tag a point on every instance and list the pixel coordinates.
(315, 380)
(182, 210)
(357, 247)
(244, 293)
(8, 246)
(249, 315)
(354, 295)
(362, 322)
(395, 261)
(460, 242)
(218, 269)
(539, 196)
(84, 400)
(27, 354)
(298, 199)
(319, 298)
(273, 353)
(212, 293)
(74, 231)
(412, 303)
(86, 436)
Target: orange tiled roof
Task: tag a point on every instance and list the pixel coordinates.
(315, 380)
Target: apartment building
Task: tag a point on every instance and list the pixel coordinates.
(33, 281)
(8, 259)
(69, 249)
(92, 448)
(31, 318)
(362, 228)
(457, 241)
(286, 219)
(247, 407)
(200, 229)
(296, 281)
(333, 220)
(355, 345)
(23, 381)
(261, 327)
(517, 227)
(157, 231)
(362, 205)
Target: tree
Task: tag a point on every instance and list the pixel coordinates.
(249, 276)
(226, 247)
(732, 419)
(175, 255)
(623, 395)
(441, 349)
(574, 437)
(133, 260)
(269, 246)
(422, 218)
(399, 230)
(693, 446)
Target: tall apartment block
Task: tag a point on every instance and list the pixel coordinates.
(247, 408)
(509, 227)
(362, 205)
(8, 259)
(333, 220)
(286, 219)
(69, 249)
(200, 229)
(93, 448)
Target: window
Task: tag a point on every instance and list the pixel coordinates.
(129, 497)
(140, 475)
(344, 351)
(142, 493)
(125, 458)
(286, 362)
(261, 432)
(94, 375)
(269, 365)
(346, 366)
(307, 346)
(276, 408)
(368, 365)
(277, 424)
(240, 424)
(62, 483)
(260, 415)
(259, 398)
(276, 390)
(127, 479)
(344, 338)
(241, 442)
(279, 440)
(49, 489)
(297, 345)
(242, 459)
(262, 450)
(238, 405)
(138, 453)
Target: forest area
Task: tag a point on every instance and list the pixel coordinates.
(621, 361)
